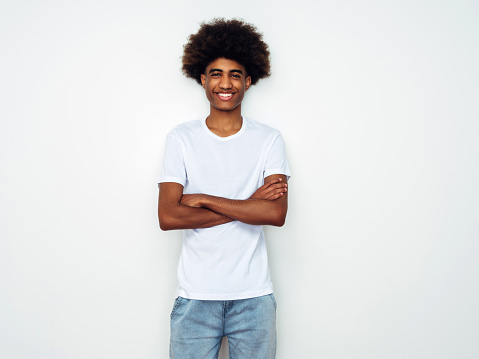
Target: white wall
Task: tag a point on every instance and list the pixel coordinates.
(378, 105)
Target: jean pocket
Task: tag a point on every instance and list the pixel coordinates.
(175, 306)
(274, 301)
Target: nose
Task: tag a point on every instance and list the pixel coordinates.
(225, 82)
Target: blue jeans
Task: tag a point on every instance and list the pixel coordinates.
(197, 327)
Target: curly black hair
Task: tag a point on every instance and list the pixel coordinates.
(231, 39)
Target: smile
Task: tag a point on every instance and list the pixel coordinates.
(224, 95)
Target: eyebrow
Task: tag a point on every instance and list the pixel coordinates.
(219, 70)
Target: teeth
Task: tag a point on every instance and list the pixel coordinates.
(225, 95)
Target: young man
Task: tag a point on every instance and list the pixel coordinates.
(223, 177)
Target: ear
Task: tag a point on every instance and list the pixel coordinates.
(203, 80)
(248, 83)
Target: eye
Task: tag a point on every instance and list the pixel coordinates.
(215, 74)
(236, 76)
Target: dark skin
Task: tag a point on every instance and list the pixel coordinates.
(268, 205)
(225, 83)
(225, 77)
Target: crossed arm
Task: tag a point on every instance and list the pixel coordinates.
(268, 205)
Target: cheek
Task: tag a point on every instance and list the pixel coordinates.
(209, 95)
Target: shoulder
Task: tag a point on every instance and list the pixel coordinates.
(264, 131)
(186, 129)
(261, 127)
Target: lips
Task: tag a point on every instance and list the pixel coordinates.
(225, 96)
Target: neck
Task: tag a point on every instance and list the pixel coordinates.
(224, 123)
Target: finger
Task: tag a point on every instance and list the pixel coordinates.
(266, 189)
(277, 193)
(279, 186)
(275, 196)
(263, 187)
(273, 181)
(268, 184)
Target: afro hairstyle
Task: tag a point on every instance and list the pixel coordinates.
(230, 39)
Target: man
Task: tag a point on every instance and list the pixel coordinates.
(223, 177)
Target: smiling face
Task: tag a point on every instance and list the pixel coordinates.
(225, 82)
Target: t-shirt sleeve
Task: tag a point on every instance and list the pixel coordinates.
(173, 169)
(276, 162)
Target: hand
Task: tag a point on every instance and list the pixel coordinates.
(271, 190)
(191, 200)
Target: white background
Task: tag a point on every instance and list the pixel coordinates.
(378, 104)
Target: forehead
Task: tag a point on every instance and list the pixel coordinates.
(225, 65)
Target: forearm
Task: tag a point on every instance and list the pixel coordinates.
(174, 215)
(250, 211)
(185, 217)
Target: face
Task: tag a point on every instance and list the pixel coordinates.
(225, 83)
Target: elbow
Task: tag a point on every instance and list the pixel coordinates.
(165, 221)
(165, 227)
(279, 222)
(279, 219)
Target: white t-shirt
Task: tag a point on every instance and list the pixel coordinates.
(228, 261)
